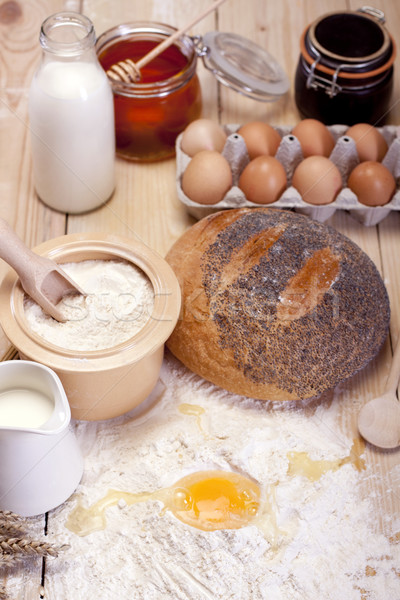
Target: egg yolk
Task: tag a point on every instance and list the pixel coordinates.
(207, 500)
(215, 500)
(212, 500)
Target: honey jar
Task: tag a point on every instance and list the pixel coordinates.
(345, 68)
(152, 112)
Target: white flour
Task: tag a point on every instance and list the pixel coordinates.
(316, 541)
(118, 303)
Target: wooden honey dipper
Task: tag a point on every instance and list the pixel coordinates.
(128, 71)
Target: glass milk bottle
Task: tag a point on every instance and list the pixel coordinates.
(71, 118)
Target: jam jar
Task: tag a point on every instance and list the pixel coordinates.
(150, 113)
(345, 69)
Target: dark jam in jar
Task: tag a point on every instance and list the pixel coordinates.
(345, 69)
(151, 113)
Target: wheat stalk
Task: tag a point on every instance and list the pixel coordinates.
(15, 547)
(9, 560)
(7, 515)
(11, 528)
(27, 547)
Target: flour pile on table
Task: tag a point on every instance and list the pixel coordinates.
(316, 539)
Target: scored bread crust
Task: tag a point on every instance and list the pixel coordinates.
(275, 306)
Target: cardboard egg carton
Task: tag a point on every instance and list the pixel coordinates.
(289, 153)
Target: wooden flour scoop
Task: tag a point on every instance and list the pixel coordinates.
(42, 279)
(379, 419)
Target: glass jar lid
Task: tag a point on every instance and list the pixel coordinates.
(243, 66)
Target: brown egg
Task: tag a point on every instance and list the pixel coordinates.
(260, 139)
(263, 180)
(207, 178)
(372, 183)
(317, 179)
(203, 134)
(370, 143)
(314, 137)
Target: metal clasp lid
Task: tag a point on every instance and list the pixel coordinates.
(377, 14)
(242, 65)
(315, 81)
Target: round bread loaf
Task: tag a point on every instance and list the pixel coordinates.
(275, 306)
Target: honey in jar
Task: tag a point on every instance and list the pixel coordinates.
(152, 112)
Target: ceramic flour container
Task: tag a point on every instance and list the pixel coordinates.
(100, 384)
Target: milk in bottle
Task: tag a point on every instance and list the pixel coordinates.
(71, 118)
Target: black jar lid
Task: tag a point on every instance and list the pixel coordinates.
(349, 44)
(243, 66)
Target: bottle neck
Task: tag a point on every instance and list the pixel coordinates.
(67, 34)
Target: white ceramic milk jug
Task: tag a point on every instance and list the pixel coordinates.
(71, 115)
(40, 461)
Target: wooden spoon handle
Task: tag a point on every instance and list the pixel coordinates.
(170, 40)
(32, 269)
(41, 278)
(394, 372)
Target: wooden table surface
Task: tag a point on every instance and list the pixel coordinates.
(145, 203)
